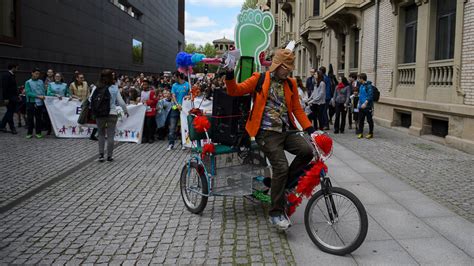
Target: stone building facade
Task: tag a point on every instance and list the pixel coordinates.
(223, 45)
(419, 54)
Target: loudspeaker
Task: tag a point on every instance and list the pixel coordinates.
(229, 117)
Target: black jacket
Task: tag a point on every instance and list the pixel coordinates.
(310, 85)
(9, 87)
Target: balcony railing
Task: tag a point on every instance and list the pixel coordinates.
(441, 72)
(406, 74)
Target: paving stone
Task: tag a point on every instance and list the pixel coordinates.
(444, 174)
(127, 211)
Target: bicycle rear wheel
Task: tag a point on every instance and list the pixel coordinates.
(194, 187)
(337, 222)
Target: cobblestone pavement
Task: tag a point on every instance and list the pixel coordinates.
(130, 211)
(26, 164)
(442, 173)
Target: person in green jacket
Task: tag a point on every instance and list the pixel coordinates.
(35, 94)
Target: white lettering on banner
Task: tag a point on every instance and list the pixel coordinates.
(64, 114)
(199, 102)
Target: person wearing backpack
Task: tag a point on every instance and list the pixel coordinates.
(365, 106)
(272, 121)
(104, 100)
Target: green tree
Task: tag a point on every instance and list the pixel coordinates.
(190, 48)
(209, 50)
(249, 4)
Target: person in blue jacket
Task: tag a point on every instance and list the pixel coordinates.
(366, 106)
(35, 95)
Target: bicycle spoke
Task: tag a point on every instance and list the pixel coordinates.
(343, 231)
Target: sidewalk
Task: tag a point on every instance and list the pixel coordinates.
(405, 226)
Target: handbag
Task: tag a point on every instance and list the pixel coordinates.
(84, 115)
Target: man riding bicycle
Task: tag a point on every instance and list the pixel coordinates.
(272, 123)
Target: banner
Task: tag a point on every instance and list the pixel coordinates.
(199, 102)
(65, 112)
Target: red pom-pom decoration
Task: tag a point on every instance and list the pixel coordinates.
(201, 124)
(208, 148)
(293, 201)
(311, 179)
(324, 143)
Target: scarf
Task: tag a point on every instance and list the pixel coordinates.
(340, 86)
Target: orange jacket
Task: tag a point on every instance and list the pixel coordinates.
(260, 100)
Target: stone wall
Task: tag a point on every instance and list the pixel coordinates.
(467, 71)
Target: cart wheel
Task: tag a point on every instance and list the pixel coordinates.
(193, 185)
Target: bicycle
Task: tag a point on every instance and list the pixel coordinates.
(334, 218)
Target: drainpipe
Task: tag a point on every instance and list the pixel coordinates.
(376, 39)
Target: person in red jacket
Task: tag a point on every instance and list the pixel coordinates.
(149, 99)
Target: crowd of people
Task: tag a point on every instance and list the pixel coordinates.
(323, 97)
(326, 96)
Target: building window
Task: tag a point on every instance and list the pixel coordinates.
(10, 21)
(126, 7)
(137, 51)
(181, 5)
(180, 46)
(445, 29)
(316, 5)
(355, 49)
(411, 18)
(276, 35)
(342, 51)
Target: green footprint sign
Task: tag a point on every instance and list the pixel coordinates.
(252, 36)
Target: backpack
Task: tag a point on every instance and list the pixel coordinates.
(375, 93)
(100, 102)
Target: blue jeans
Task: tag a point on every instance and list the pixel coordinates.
(173, 124)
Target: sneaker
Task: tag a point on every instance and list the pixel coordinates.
(39, 136)
(369, 136)
(110, 159)
(101, 158)
(281, 222)
(183, 148)
(170, 147)
(4, 130)
(359, 136)
(29, 136)
(14, 132)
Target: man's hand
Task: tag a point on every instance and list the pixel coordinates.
(364, 105)
(41, 97)
(179, 107)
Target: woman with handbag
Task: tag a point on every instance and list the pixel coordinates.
(340, 101)
(80, 90)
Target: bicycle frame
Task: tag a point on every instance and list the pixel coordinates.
(198, 160)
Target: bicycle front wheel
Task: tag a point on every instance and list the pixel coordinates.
(336, 222)
(194, 188)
